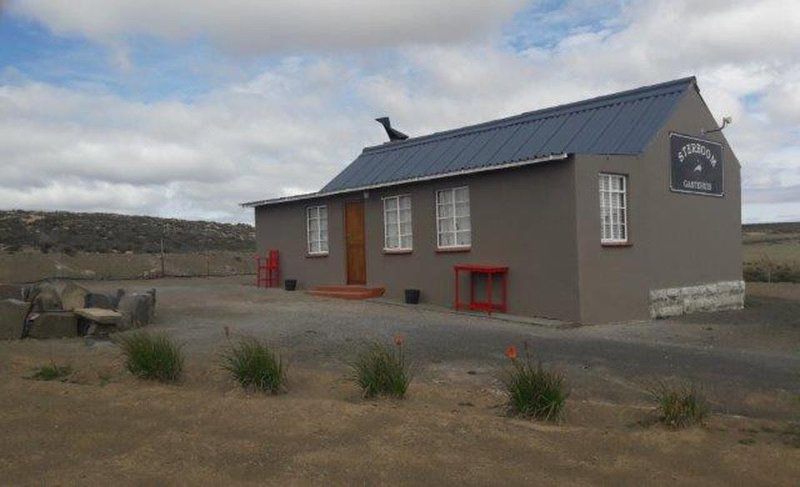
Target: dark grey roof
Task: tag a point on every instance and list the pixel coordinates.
(621, 123)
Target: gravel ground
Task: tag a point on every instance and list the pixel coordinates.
(747, 361)
(102, 426)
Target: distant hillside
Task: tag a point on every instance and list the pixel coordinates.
(107, 233)
(770, 232)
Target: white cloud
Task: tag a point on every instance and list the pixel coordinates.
(71, 149)
(256, 26)
(296, 124)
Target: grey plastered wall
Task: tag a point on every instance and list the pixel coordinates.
(283, 227)
(676, 239)
(523, 218)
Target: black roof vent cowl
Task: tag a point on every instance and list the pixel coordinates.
(394, 135)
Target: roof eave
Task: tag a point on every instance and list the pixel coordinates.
(319, 194)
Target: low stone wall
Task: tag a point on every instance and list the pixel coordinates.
(24, 267)
(715, 296)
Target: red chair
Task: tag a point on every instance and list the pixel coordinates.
(268, 270)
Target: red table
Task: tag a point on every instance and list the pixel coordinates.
(489, 271)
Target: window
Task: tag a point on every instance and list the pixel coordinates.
(613, 208)
(317, 218)
(453, 227)
(397, 223)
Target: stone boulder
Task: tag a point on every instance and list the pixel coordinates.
(99, 300)
(98, 321)
(10, 291)
(118, 297)
(137, 310)
(73, 296)
(29, 291)
(53, 324)
(13, 313)
(99, 315)
(47, 297)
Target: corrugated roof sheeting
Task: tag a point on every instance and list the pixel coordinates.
(622, 123)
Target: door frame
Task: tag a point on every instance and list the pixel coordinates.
(348, 280)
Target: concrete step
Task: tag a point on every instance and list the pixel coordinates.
(347, 292)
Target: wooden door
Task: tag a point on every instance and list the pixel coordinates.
(356, 250)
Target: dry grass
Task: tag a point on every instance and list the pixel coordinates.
(679, 405)
(767, 270)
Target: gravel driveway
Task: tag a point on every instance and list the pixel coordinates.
(746, 361)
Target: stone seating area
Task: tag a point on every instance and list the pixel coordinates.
(63, 309)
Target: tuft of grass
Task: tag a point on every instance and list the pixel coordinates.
(765, 270)
(255, 366)
(534, 391)
(381, 370)
(52, 371)
(152, 357)
(791, 435)
(679, 405)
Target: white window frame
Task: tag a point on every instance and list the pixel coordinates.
(316, 223)
(398, 224)
(454, 219)
(613, 210)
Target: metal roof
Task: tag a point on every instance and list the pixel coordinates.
(620, 123)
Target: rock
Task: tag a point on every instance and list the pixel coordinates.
(54, 324)
(28, 292)
(10, 291)
(99, 315)
(13, 313)
(73, 296)
(120, 294)
(99, 300)
(137, 310)
(47, 298)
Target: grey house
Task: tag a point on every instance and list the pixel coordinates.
(617, 208)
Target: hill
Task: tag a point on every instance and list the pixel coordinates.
(68, 232)
(772, 252)
(770, 232)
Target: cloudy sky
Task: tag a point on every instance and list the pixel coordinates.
(188, 107)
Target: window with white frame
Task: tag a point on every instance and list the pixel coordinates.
(397, 223)
(453, 227)
(613, 208)
(317, 228)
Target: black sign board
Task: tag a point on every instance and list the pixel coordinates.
(696, 165)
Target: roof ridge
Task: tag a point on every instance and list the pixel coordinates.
(525, 117)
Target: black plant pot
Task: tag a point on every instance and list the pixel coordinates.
(290, 284)
(412, 296)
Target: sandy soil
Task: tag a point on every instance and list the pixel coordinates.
(102, 426)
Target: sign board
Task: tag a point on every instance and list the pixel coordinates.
(696, 165)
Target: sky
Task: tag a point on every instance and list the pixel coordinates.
(186, 108)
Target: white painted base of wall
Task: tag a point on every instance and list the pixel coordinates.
(717, 296)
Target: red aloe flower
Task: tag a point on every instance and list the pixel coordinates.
(511, 352)
(399, 339)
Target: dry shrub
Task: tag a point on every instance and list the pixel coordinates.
(255, 366)
(52, 371)
(382, 370)
(534, 391)
(679, 405)
(152, 357)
